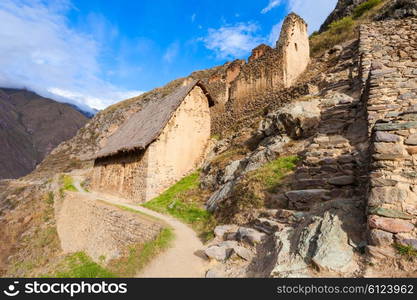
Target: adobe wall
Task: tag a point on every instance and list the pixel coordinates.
(294, 46)
(268, 72)
(99, 229)
(389, 63)
(122, 175)
(181, 147)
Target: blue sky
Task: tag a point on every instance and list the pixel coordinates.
(98, 52)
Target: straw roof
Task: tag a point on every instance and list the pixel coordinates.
(146, 125)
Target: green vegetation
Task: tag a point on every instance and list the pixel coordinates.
(251, 192)
(183, 201)
(140, 255)
(216, 137)
(360, 10)
(80, 265)
(338, 31)
(271, 174)
(344, 29)
(67, 184)
(407, 251)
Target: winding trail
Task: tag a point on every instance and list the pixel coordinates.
(180, 260)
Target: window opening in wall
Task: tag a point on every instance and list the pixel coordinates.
(296, 46)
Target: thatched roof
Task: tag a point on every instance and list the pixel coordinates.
(146, 125)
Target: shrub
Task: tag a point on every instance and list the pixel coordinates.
(341, 26)
(364, 7)
(339, 31)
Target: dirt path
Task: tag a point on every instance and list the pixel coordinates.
(180, 260)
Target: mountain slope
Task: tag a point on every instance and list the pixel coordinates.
(30, 127)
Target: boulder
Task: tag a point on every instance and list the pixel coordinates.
(250, 235)
(243, 252)
(220, 253)
(221, 230)
(220, 195)
(299, 119)
(230, 170)
(258, 159)
(333, 251)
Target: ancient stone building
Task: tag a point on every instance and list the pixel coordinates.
(157, 146)
(237, 85)
(294, 46)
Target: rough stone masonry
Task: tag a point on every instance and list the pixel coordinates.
(389, 74)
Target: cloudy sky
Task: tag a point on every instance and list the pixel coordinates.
(98, 52)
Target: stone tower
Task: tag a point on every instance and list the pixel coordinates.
(294, 47)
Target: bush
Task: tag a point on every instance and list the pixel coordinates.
(341, 26)
(339, 31)
(364, 7)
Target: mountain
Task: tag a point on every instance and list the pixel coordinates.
(87, 113)
(31, 127)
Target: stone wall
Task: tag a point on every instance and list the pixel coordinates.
(268, 72)
(99, 229)
(122, 175)
(389, 74)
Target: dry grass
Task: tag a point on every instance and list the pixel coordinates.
(345, 29)
(250, 193)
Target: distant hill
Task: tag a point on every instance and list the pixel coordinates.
(88, 113)
(30, 127)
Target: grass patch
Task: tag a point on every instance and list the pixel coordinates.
(344, 29)
(140, 255)
(250, 193)
(407, 251)
(184, 201)
(338, 32)
(216, 137)
(361, 9)
(80, 265)
(67, 184)
(271, 174)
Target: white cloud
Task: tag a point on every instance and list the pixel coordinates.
(274, 34)
(39, 51)
(314, 12)
(193, 16)
(172, 52)
(271, 5)
(233, 41)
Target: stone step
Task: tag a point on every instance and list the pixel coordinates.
(268, 226)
